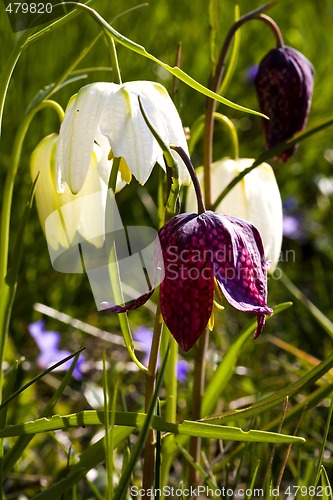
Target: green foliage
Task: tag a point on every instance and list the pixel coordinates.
(267, 406)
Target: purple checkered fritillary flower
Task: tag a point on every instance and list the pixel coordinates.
(196, 251)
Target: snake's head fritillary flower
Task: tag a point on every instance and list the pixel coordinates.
(256, 198)
(86, 216)
(197, 251)
(284, 85)
(108, 116)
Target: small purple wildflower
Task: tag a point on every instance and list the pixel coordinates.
(48, 342)
(199, 250)
(292, 227)
(144, 337)
(251, 73)
(182, 370)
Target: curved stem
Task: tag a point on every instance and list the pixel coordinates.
(224, 120)
(8, 71)
(194, 178)
(273, 25)
(216, 83)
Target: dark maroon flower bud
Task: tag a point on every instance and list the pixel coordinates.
(284, 84)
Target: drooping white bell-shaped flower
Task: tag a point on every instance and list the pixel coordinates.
(256, 198)
(66, 217)
(107, 115)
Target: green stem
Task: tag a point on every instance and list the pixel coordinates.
(115, 278)
(170, 406)
(215, 86)
(7, 291)
(10, 179)
(197, 394)
(228, 124)
(8, 71)
(149, 449)
(114, 59)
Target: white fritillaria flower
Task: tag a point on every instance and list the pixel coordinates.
(256, 198)
(108, 116)
(64, 217)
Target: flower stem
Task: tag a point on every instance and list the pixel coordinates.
(7, 290)
(215, 86)
(114, 274)
(226, 122)
(114, 59)
(194, 178)
(197, 394)
(149, 449)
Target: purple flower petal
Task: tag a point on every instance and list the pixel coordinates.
(47, 342)
(182, 370)
(241, 274)
(45, 339)
(186, 293)
(129, 306)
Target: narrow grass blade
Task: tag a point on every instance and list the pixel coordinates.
(226, 368)
(134, 420)
(327, 490)
(174, 70)
(16, 451)
(323, 445)
(88, 459)
(39, 376)
(279, 396)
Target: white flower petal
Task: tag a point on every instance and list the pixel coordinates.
(109, 115)
(122, 122)
(78, 132)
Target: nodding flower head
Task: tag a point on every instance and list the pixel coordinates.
(284, 85)
(199, 252)
(107, 117)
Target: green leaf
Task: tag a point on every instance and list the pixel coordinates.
(15, 452)
(39, 376)
(327, 491)
(226, 368)
(234, 57)
(277, 397)
(134, 420)
(174, 70)
(271, 153)
(323, 445)
(88, 459)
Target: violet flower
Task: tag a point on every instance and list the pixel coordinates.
(48, 342)
(284, 84)
(144, 336)
(199, 250)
